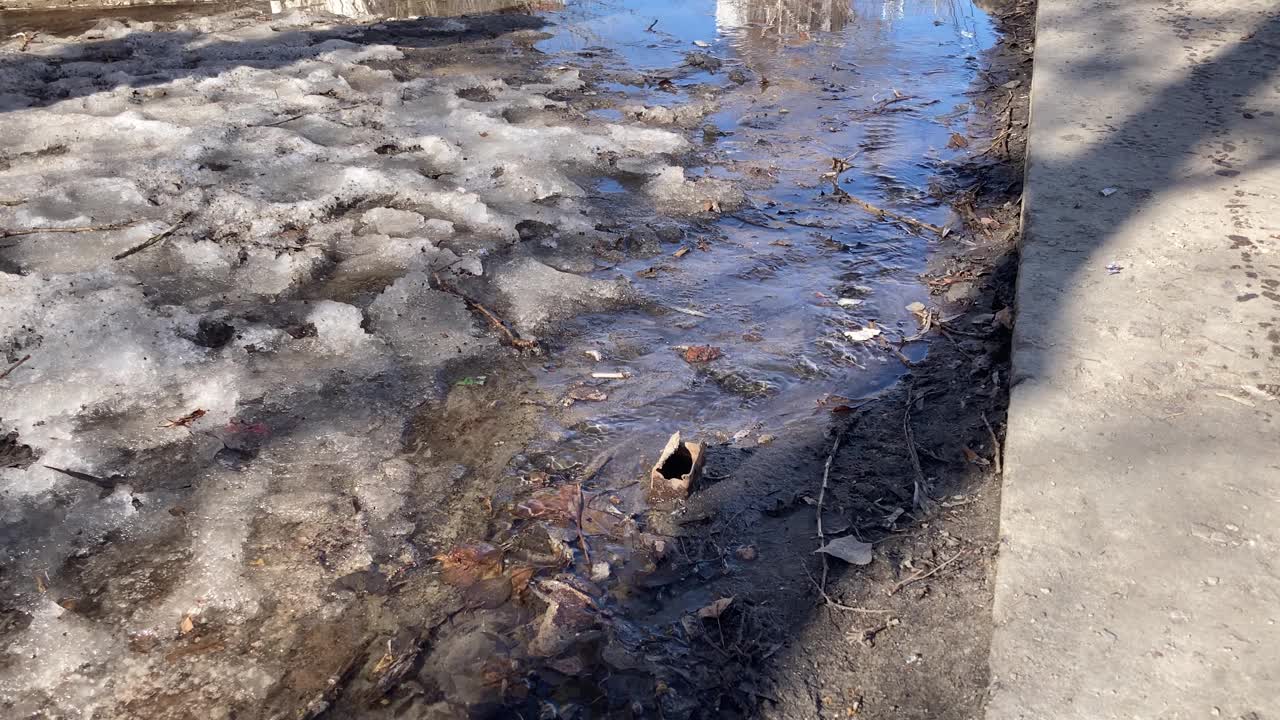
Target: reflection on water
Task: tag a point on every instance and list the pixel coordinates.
(415, 8)
(783, 18)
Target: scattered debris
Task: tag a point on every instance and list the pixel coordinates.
(746, 553)
(186, 625)
(610, 375)
(470, 381)
(958, 141)
(849, 302)
(678, 467)
(1114, 268)
(594, 355)
(921, 575)
(702, 43)
(1108, 191)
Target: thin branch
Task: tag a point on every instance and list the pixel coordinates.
(918, 499)
(79, 229)
(515, 340)
(822, 496)
(843, 196)
(153, 239)
(14, 366)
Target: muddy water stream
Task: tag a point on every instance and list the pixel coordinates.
(776, 285)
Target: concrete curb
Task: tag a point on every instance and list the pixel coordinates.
(1139, 574)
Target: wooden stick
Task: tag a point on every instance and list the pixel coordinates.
(515, 340)
(822, 496)
(918, 498)
(582, 538)
(79, 229)
(881, 212)
(14, 366)
(153, 239)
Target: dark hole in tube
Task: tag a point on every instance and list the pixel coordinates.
(678, 465)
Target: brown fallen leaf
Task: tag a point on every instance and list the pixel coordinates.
(975, 458)
(958, 141)
(715, 609)
(520, 578)
(187, 625)
(701, 353)
(466, 565)
(1004, 318)
(682, 251)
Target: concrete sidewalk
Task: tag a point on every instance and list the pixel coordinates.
(1140, 566)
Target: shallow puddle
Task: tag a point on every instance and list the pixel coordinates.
(778, 285)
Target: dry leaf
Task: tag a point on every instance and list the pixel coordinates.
(715, 609)
(520, 578)
(975, 458)
(848, 549)
(186, 420)
(187, 625)
(958, 141)
(466, 565)
(701, 353)
(682, 251)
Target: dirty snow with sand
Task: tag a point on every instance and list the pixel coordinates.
(296, 171)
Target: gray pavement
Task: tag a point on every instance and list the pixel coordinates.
(1139, 574)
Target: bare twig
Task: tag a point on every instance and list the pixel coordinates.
(153, 239)
(512, 337)
(582, 539)
(995, 444)
(918, 576)
(11, 202)
(822, 496)
(918, 499)
(14, 366)
(652, 25)
(79, 229)
(843, 196)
